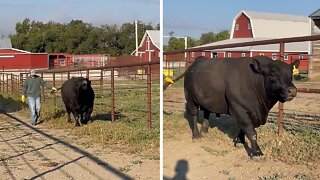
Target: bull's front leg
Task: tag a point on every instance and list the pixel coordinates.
(252, 136)
(246, 126)
(240, 139)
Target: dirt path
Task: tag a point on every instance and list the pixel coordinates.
(28, 152)
(215, 157)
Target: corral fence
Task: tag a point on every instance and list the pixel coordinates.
(106, 81)
(175, 63)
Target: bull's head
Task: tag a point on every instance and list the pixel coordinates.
(84, 84)
(277, 77)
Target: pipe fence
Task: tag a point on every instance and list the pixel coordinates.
(109, 80)
(174, 65)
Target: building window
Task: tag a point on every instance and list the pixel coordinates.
(285, 57)
(249, 25)
(62, 63)
(192, 54)
(203, 54)
(229, 55)
(300, 56)
(243, 54)
(274, 56)
(237, 26)
(261, 54)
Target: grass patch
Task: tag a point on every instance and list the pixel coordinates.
(298, 145)
(213, 151)
(129, 133)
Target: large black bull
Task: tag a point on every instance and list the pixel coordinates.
(244, 88)
(78, 97)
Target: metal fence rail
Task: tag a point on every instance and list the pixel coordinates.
(281, 41)
(104, 80)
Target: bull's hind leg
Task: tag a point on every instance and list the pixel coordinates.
(240, 139)
(205, 124)
(192, 117)
(77, 118)
(68, 114)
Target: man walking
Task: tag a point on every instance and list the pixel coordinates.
(31, 90)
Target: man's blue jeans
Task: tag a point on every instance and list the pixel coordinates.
(34, 106)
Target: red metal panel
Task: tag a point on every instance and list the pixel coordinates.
(24, 61)
(243, 31)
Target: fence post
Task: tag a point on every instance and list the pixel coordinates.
(7, 83)
(112, 95)
(280, 105)
(20, 82)
(3, 82)
(68, 75)
(54, 85)
(101, 81)
(88, 73)
(12, 77)
(149, 98)
(42, 90)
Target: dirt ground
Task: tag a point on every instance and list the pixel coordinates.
(36, 152)
(217, 158)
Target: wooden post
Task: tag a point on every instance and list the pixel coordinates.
(112, 96)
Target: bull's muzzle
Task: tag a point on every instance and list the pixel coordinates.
(291, 93)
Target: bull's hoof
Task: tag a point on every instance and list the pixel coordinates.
(238, 141)
(197, 136)
(256, 154)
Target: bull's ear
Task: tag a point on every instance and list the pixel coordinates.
(256, 66)
(295, 63)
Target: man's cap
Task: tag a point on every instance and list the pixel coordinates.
(32, 72)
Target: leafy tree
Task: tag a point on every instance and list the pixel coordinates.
(175, 44)
(206, 38)
(77, 37)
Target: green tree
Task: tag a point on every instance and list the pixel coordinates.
(175, 44)
(206, 38)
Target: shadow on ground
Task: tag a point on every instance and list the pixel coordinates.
(16, 122)
(10, 105)
(181, 170)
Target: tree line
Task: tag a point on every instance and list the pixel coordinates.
(205, 38)
(77, 37)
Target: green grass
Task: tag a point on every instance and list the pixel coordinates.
(129, 133)
(297, 146)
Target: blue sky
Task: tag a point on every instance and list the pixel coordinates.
(96, 12)
(193, 17)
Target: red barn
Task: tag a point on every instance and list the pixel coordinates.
(254, 26)
(15, 59)
(149, 48)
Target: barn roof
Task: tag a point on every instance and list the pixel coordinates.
(154, 36)
(315, 14)
(5, 43)
(274, 25)
(289, 47)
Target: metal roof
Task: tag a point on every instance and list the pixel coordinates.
(155, 37)
(274, 25)
(315, 14)
(5, 43)
(289, 47)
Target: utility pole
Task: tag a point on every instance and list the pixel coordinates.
(136, 27)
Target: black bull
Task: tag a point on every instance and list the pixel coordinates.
(244, 88)
(78, 97)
